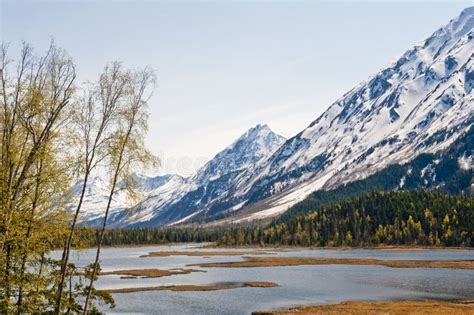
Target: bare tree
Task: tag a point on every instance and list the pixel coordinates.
(126, 148)
(40, 113)
(94, 120)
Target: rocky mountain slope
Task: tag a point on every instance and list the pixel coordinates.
(421, 103)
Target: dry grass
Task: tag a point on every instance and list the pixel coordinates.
(260, 284)
(408, 248)
(191, 287)
(149, 273)
(205, 253)
(392, 308)
(298, 261)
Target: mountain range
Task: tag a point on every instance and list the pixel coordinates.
(419, 104)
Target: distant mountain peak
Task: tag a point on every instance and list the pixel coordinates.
(249, 149)
(257, 132)
(260, 128)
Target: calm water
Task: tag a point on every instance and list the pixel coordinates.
(298, 285)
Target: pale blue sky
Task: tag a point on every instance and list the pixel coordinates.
(225, 66)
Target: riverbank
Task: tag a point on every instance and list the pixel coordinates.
(204, 253)
(390, 307)
(251, 262)
(148, 273)
(378, 247)
(192, 287)
(276, 247)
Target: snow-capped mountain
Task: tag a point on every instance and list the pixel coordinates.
(421, 103)
(98, 190)
(251, 148)
(148, 184)
(182, 198)
(95, 198)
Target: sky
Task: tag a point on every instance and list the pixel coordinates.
(226, 66)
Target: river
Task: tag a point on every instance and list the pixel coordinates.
(297, 285)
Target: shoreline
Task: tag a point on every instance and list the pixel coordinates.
(148, 273)
(195, 253)
(381, 247)
(254, 262)
(400, 307)
(196, 287)
(205, 245)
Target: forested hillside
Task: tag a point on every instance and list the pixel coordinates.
(441, 172)
(390, 218)
(375, 218)
(87, 237)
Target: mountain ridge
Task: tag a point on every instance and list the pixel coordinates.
(420, 103)
(206, 184)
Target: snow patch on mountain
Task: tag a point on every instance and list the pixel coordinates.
(466, 162)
